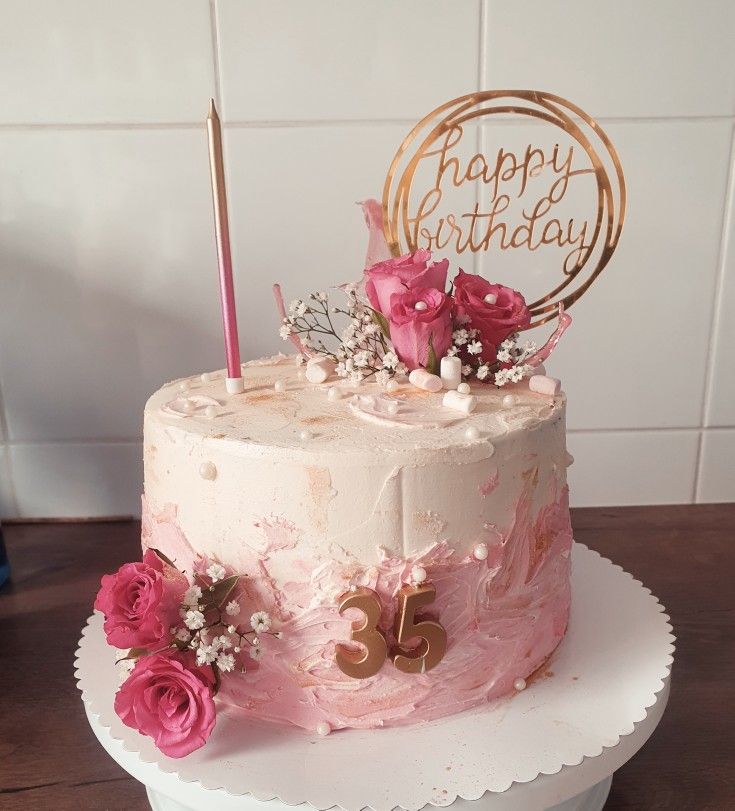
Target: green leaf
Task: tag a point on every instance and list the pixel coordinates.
(133, 653)
(382, 322)
(432, 365)
(218, 595)
(163, 557)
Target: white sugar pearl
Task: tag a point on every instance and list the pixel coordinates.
(391, 385)
(184, 385)
(519, 684)
(392, 408)
(464, 388)
(208, 471)
(490, 298)
(205, 377)
(480, 551)
(210, 412)
(418, 574)
(509, 401)
(569, 459)
(421, 306)
(334, 394)
(280, 385)
(305, 436)
(187, 406)
(323, 729)
(472, 433)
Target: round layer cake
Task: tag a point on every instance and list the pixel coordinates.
(316, 494)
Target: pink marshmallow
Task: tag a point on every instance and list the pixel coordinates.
(542, 384)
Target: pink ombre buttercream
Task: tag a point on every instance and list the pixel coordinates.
(504, 616)
(359, 503)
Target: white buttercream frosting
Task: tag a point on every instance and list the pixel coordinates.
(306, 483)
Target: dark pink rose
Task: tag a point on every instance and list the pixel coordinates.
(494, 310)
(169, 699)
(141, 602)
(415, 317)
(410, 272)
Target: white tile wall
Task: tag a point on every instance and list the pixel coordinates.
(628, 58)
(107, 266)
(717, 467)
(89, 62)
(327, 59)
(75, 480)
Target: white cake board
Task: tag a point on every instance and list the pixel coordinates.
(553, 746)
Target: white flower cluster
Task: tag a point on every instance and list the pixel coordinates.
(360, 350)
(223, 649)
(209, 628)
(467, 341)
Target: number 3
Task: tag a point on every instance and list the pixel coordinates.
(362, 664)
(367, 662)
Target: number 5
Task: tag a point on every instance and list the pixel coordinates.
(433, 637)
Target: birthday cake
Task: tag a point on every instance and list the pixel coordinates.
(370, 531)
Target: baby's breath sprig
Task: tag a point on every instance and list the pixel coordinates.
(509, 366)
(360, 349)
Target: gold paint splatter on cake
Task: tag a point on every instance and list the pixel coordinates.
(319, 484)
(263, 397)
(326, 419)
(429, 524)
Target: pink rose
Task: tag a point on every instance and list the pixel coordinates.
(415, 317)
(141, 602)
(409, 272)
(496, 311)
(169, 699)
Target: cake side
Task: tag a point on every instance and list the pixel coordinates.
(312, 497)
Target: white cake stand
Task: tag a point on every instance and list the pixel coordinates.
(553, 746)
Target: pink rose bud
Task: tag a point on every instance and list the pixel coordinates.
(493, 310)
(418, 319)
(410, 272)
(542, 384)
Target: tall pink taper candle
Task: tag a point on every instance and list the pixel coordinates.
(234, 380)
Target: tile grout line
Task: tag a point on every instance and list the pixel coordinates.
(677, 429)
(85, 441)
(6, 443)
(715, 313)
(482, 46)
(215, 54)
(478, 256)
(317, 122)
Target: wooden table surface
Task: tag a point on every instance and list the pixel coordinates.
(49, 758)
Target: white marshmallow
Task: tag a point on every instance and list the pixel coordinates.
(542, 384)
(466, 403)
(450, 371)
(425, 380)
(319, 369)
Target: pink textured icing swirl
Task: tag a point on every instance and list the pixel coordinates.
(504, 616)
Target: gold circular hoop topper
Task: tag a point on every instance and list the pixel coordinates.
(481, 197)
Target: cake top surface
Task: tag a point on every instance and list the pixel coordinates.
(280, 411)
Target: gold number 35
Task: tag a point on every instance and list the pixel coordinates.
(361, 664)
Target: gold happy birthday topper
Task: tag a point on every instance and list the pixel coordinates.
(534, 180)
